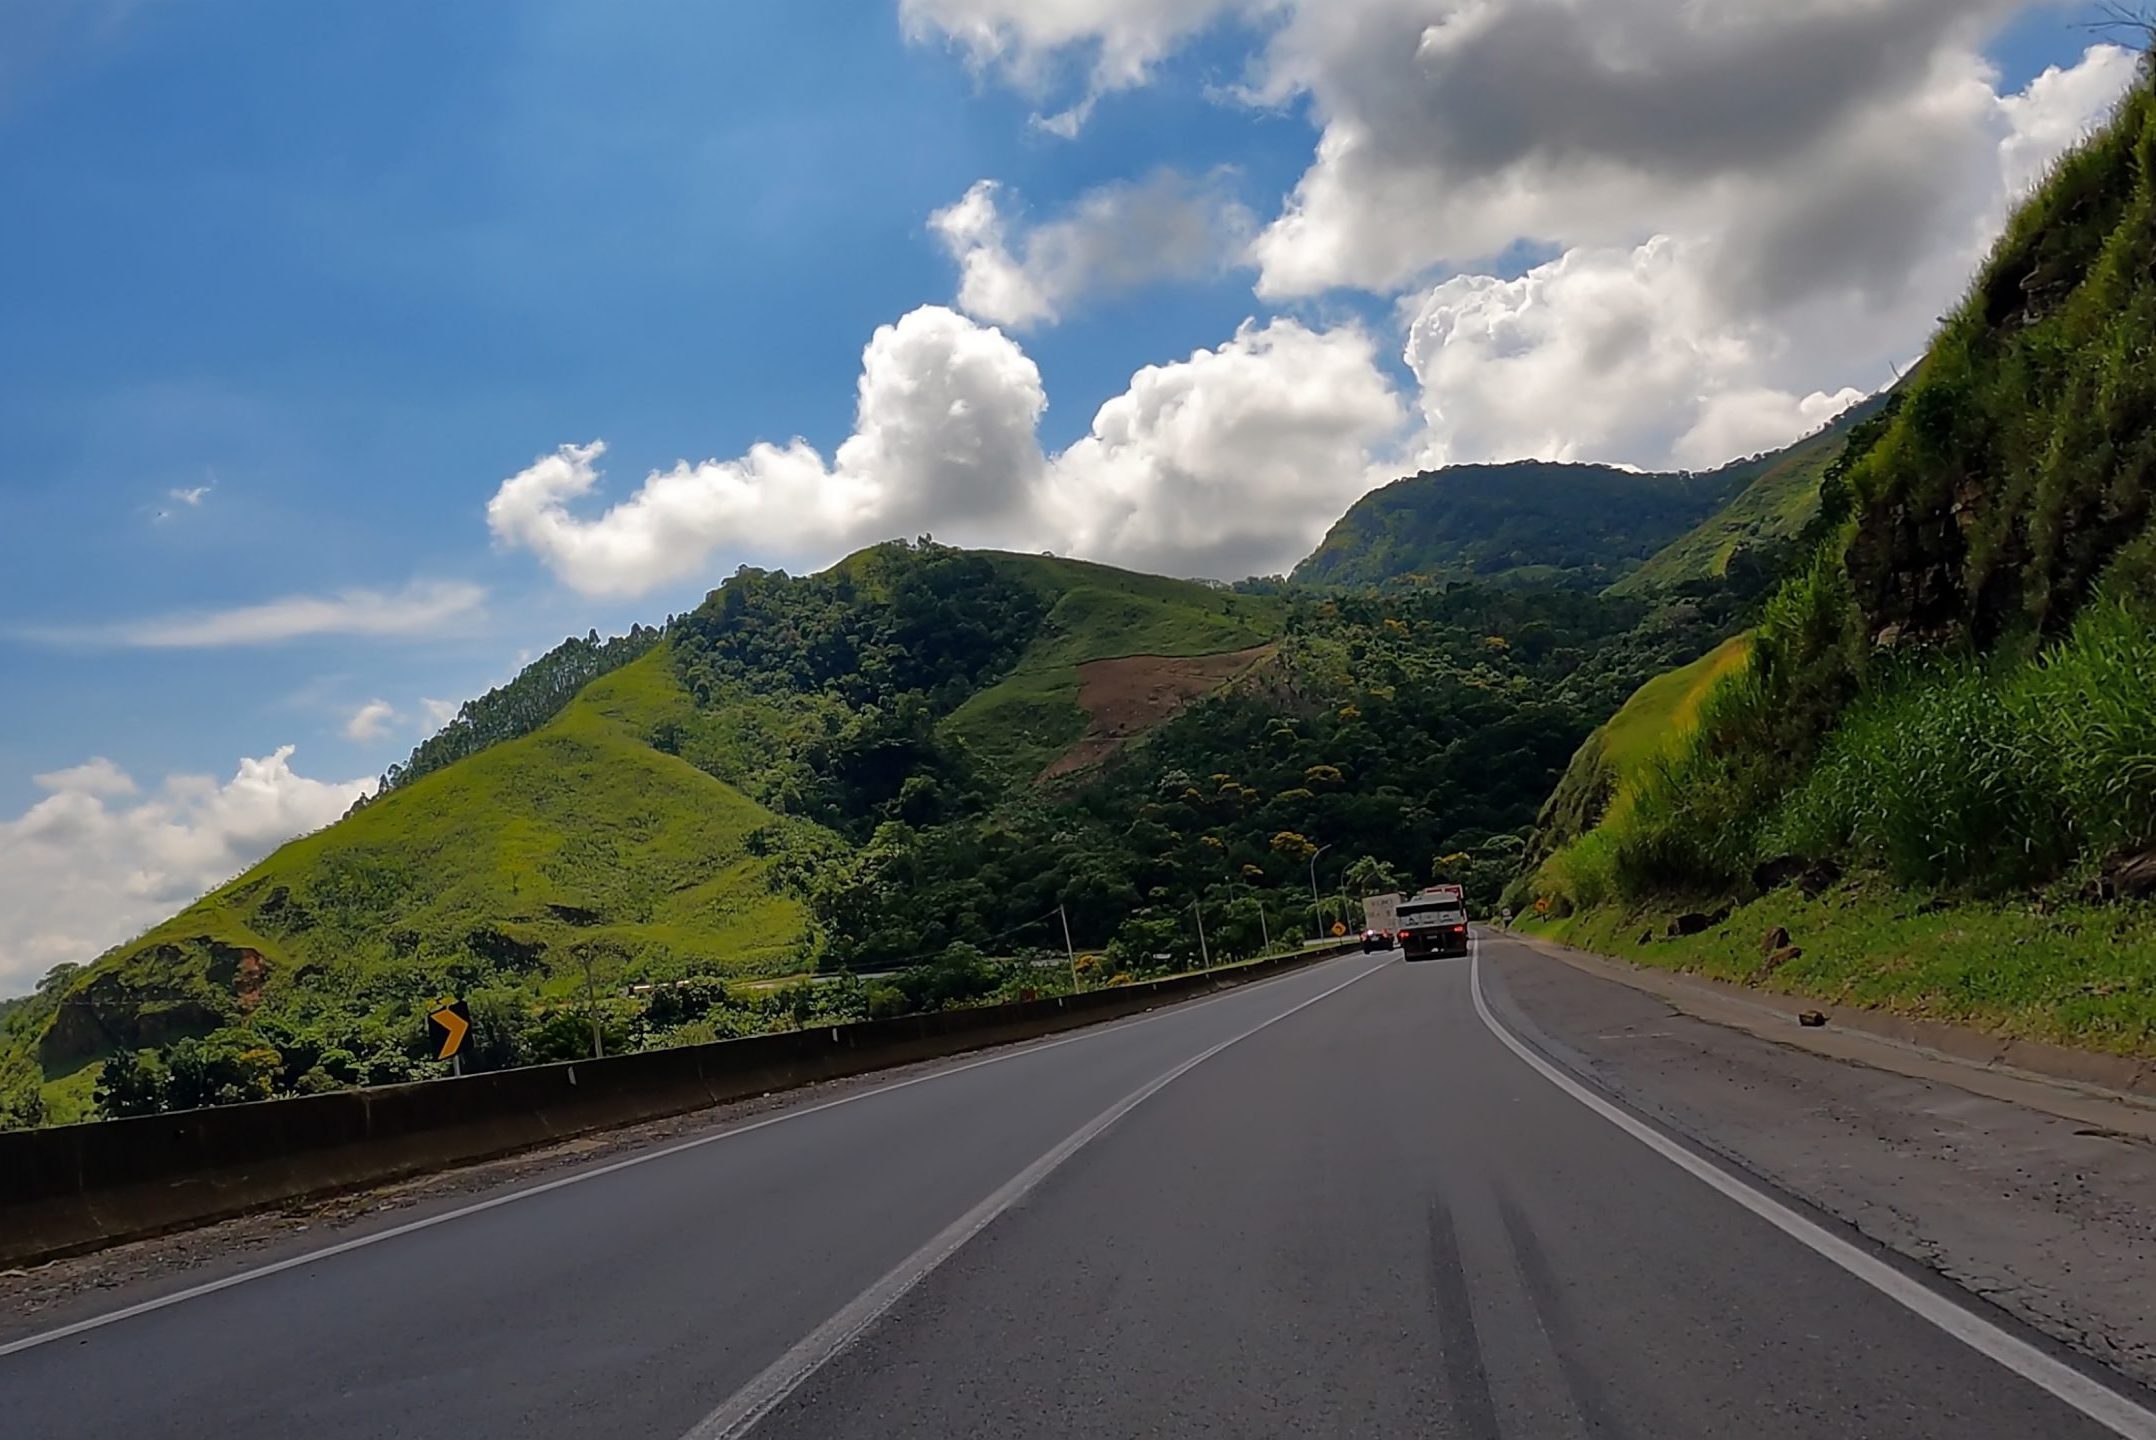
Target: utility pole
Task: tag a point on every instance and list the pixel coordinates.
(1317, 915)
(1205, 961)
(1264, 930)
(1068, 953)
(591, 1008)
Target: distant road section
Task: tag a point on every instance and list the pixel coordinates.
(1341, 1203)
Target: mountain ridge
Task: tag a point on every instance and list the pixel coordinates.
(1590, 525)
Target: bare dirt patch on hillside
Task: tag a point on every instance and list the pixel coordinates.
(1125, 697)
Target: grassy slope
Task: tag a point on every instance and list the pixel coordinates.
(2079, 975)
(1776, 506)
(580, 814)
(583, 813)
(1028, 718)
(1609, 763)
(1664, 709)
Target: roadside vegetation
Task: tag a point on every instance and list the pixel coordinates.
(1954, 696)
(2068, 972)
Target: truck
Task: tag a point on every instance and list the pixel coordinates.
(1380, 917)
(1433, 922)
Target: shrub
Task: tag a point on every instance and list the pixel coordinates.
(22, 1106)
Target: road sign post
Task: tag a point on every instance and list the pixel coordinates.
(446, 1029)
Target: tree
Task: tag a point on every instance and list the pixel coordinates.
(22, 1106)
(132, 1082)
(501, 1018)
(225, 1067)
(600, 962)
(1372, 876)
(1293, 845)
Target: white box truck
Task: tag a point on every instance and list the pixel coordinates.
(1380, 917)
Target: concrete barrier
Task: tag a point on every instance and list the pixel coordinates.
(74, 1188)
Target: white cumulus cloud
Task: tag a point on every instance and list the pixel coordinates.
(1646, 355)
(943, 437)
(1116, 42)
(1233, 461)
(1620, 356)
(370, 721)
(1114, 238)
(97, 860)
(1230, 461)
(1755, 206)
(95, 776)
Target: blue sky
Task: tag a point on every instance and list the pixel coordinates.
(350, 265)
(337, 271)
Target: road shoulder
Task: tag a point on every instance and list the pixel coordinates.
(2046, 1209)
(2108, 1090)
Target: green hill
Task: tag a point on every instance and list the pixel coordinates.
(649, 808)
(503, 870)
(1023, 721)
(1954, 700)
(1763, 519)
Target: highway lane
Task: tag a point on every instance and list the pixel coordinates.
(1369, 1217)
(630, 1304)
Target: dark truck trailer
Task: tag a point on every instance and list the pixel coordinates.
(1434, 923)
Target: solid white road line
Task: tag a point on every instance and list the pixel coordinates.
(783, 1376)
(2107, 1407)
(263, 1272)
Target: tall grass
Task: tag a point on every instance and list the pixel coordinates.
(1696, 810)
(1967, 773)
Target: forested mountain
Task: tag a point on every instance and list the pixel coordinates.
(923, 759)
(1956, 692)
(1528, 522)
(1533, 522)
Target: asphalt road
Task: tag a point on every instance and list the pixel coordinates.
(1333, 1204)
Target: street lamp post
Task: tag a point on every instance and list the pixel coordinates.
(1317, 915)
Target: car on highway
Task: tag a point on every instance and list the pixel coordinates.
(1434, 923)
(1375, 940)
